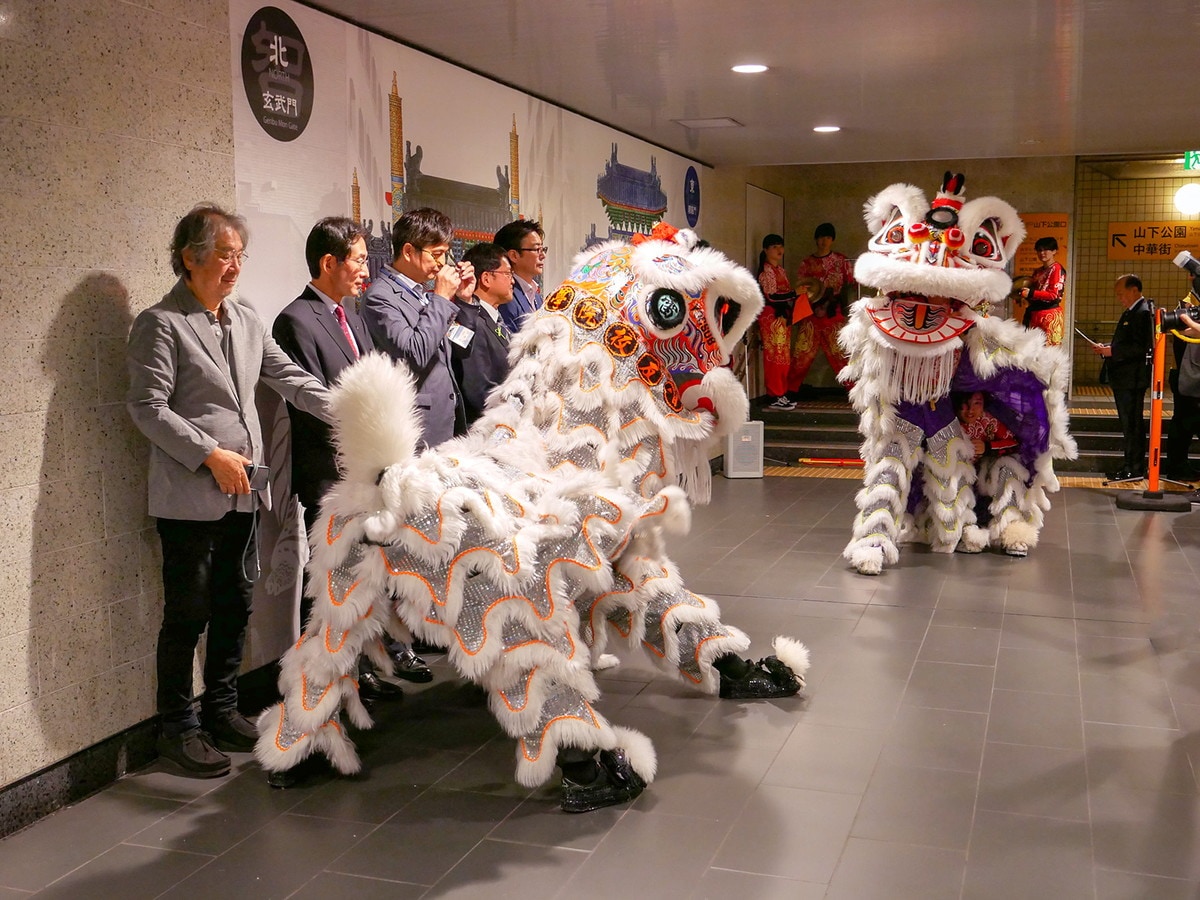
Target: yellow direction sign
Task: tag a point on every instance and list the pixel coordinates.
(1040, 225)
(1151, 240)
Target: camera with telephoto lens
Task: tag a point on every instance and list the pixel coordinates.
(1171, 320)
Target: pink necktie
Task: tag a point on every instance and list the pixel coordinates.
(341, 317)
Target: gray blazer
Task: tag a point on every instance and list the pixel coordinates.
(415, 333)
(188, 400)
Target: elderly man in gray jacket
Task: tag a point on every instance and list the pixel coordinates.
(194, 361)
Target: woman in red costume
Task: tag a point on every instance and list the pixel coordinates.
(775, 322)
(818, 333)
(1044, 295)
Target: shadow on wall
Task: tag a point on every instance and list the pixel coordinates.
(88, 629)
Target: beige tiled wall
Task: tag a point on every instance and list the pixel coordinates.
(836, 193)
(1101, 199)
(115, 119)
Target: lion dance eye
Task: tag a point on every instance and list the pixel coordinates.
(982, 245)
(666, 309)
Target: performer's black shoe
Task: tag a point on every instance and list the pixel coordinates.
(614, 782)
(768, 678)
(419, 646)
(297, 775)
(410, 667)
(281, 781)
(372, 687)
(1125, 475)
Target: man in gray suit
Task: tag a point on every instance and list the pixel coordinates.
(194, 361)
(414, 325)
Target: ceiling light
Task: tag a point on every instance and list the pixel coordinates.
(827, 129)
(719, 122)
(1187, 199)
(749, 68)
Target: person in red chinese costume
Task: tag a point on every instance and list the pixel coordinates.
(818, 333)
(1045, 293)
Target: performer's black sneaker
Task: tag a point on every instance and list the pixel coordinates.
(767, 679)
(614, 782)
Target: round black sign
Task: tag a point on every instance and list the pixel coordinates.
(277, 74)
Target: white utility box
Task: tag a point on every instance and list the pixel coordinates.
(744, 452)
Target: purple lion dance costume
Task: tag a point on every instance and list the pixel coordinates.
(927, 335)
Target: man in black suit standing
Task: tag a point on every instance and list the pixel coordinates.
(524, 243)
(483, 363)
(1126, 360)
(324, 334)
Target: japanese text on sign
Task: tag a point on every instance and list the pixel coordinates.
(1151, 240)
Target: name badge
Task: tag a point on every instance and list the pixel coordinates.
(460, 335)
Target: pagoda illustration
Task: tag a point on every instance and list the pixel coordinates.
(476, 211)
(633, 200)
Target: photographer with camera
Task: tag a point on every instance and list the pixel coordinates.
(1126, 361)
(1185, 381)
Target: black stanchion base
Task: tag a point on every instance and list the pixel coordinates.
(1154, 501)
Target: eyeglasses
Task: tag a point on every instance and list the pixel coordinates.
(507, 273)
(229, 256)
(359, 261)
(441, 257)
(540, 251)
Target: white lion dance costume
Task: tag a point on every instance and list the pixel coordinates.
(937, 268)
(529, 542)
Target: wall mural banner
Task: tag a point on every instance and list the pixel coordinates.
(331, 120)
(391, 129)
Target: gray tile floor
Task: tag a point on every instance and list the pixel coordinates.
(977, 727)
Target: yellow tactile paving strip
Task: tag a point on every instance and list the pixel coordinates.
(854, 473)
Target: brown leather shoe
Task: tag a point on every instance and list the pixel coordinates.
(192, 753)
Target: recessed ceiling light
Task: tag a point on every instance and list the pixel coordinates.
(718, 122)
(749, 68)
(827, 129)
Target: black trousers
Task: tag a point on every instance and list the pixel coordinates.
(1129, 405)
(1185, 424)
(203, 586)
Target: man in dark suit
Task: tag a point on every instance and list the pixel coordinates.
(414, 325)
(483, 363)
(1126, 360)
(194, 361)
(524, 243)
(324, 334)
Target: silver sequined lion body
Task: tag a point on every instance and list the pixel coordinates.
(528, 544)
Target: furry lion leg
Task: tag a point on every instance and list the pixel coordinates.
(1016, 515)
(949, 489)
(882, 499)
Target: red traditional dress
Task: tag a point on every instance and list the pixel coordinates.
(818, 333)
(775, 327)
(997, 439)
(1045, 310)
